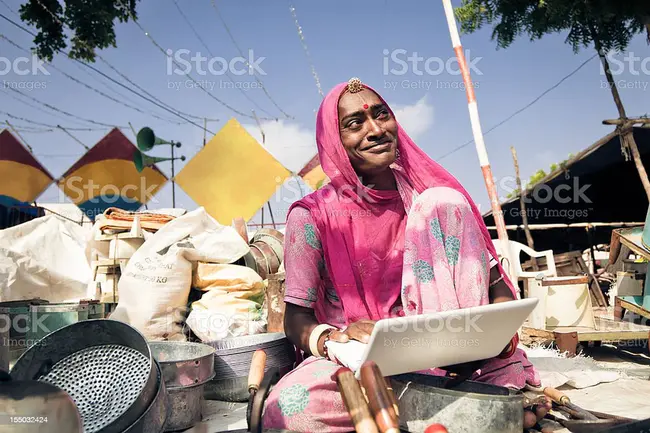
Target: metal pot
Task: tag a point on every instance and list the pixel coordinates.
(467, 408)
(272, 237)
(185, 407)
(186, 368)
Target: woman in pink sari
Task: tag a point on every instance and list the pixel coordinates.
(392, 234)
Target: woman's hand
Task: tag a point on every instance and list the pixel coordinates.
(359, 331)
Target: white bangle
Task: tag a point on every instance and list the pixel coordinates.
(315, 336)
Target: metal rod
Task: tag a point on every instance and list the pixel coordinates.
(476, 130)
(268, 203)
(19, 136)
(173, 181)
(72, 136)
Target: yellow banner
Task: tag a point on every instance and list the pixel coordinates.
(232, 176)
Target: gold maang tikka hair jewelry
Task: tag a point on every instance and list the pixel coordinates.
(355, 85)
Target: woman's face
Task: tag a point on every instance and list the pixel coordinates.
(368, 132)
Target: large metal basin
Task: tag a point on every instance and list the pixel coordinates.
(467, 408)
(232, 360)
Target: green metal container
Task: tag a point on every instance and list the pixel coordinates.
(45, 319)
(96, 310)
(5, 326)
(18, 312)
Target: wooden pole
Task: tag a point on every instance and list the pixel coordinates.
(626, 134)
(477, 132)
(522, 202)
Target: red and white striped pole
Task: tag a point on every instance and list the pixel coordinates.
(477, 132)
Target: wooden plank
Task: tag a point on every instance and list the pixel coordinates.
(607, 330)
(635, 308)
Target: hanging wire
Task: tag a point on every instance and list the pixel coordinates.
(35, 107)
(187, 21)
(161, 105)
(162, 50)
(232, 38)
(113, 68)
(58, 110)
(46, 125)
(70, 77)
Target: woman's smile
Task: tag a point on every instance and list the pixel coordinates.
(380, 147)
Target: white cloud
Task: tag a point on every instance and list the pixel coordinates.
(416, 119)
(289, 143)
(294, 145)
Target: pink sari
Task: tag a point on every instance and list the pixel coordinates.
(375, 254)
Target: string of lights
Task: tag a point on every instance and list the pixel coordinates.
(303, 42)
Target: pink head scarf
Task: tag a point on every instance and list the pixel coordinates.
(332, 207)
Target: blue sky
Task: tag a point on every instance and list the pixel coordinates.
(344, 40)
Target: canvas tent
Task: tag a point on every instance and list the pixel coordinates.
(598, 185)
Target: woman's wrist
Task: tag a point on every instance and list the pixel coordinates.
(317, 339)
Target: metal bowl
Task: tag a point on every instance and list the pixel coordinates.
(232, 360)
(184, 363)
(104, 365)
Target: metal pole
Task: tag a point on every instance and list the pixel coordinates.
(271, 212)
(173, 182)
(477, 132)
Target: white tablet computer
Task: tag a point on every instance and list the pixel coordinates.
(414, 343)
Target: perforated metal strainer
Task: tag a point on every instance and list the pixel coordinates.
(104, 365)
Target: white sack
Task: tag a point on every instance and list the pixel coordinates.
(44, 258)
(155, 285)
(231, 305)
